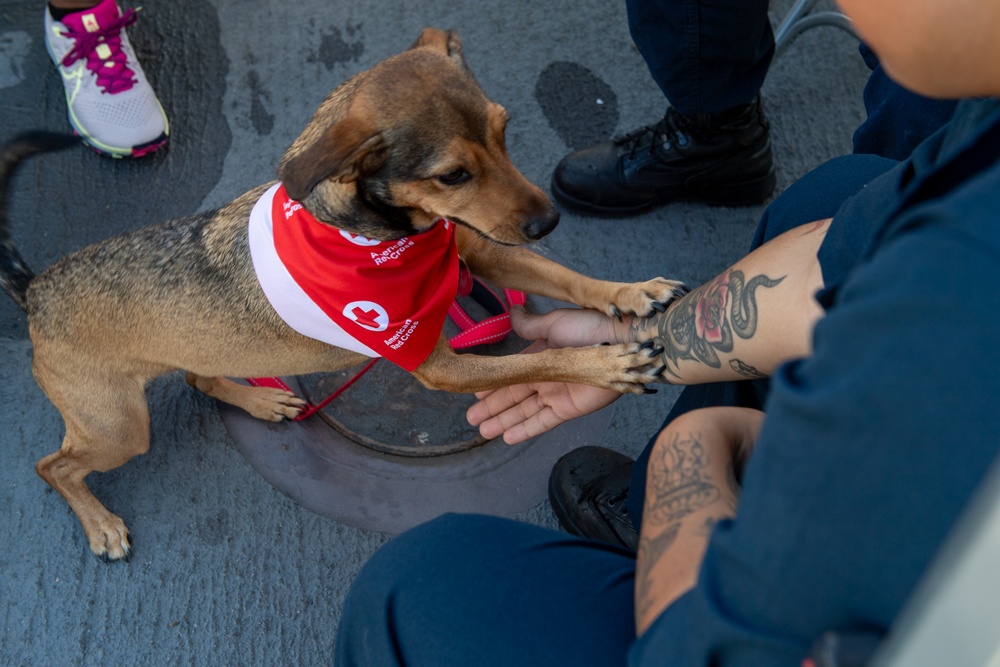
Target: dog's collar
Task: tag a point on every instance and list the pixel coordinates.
(378, 298)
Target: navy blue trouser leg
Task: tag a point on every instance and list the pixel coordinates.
(707, 56)
(481, 590)
(896, 120)
(816, 196)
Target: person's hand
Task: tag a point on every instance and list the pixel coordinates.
(521, 412)
(567, 327)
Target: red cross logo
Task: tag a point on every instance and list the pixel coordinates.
(367, 314)
(358, 239)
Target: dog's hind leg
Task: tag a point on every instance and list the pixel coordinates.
(262, 402)
(107, 423)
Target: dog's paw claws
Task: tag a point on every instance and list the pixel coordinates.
(648, 298)
(287, 412)
(652, 348)
(617, 313)
(638, 368)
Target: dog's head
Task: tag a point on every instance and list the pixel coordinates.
(409, 141)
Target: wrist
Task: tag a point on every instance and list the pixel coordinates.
(626, 330)
(655, 328)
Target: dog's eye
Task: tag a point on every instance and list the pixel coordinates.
(455, 176)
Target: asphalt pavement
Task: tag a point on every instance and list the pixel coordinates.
(229, 570)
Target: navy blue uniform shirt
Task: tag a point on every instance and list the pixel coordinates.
(873, 445)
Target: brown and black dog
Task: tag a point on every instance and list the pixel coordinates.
(387, 154)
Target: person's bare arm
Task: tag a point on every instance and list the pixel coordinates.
(690, 486)
(743, 324)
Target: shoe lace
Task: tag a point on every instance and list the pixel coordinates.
(113, 74)
(670, 130)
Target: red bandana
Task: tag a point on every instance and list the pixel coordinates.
(390, 297)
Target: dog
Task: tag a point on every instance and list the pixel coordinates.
(410, 146)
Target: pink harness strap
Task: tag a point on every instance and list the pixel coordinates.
(493, 329)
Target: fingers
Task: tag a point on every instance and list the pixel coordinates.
(543, 421)
(494, 403)
(529, 418)
(517, 413)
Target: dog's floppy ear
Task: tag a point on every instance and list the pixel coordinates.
(348, 150)
(442, 41)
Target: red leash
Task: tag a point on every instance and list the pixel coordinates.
(278, 383)
(493, 329)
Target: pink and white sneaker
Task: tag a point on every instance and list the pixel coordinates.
(111, 104)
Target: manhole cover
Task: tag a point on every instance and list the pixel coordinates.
(409, 420)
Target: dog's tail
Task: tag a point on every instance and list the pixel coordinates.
(14, 273)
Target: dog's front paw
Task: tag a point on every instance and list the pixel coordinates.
(645, 299)
(639, 365)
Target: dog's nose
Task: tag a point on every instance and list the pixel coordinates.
(540, 225)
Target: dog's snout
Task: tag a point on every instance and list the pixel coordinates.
(537, 226)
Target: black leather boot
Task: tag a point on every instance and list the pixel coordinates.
(588, 488)
(719, 159)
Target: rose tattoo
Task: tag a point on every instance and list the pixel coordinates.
(705, 322)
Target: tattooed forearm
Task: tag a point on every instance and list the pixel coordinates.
(650, 551)
(682, 483)
(682, 499)
(705, 322)
(691, 486)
